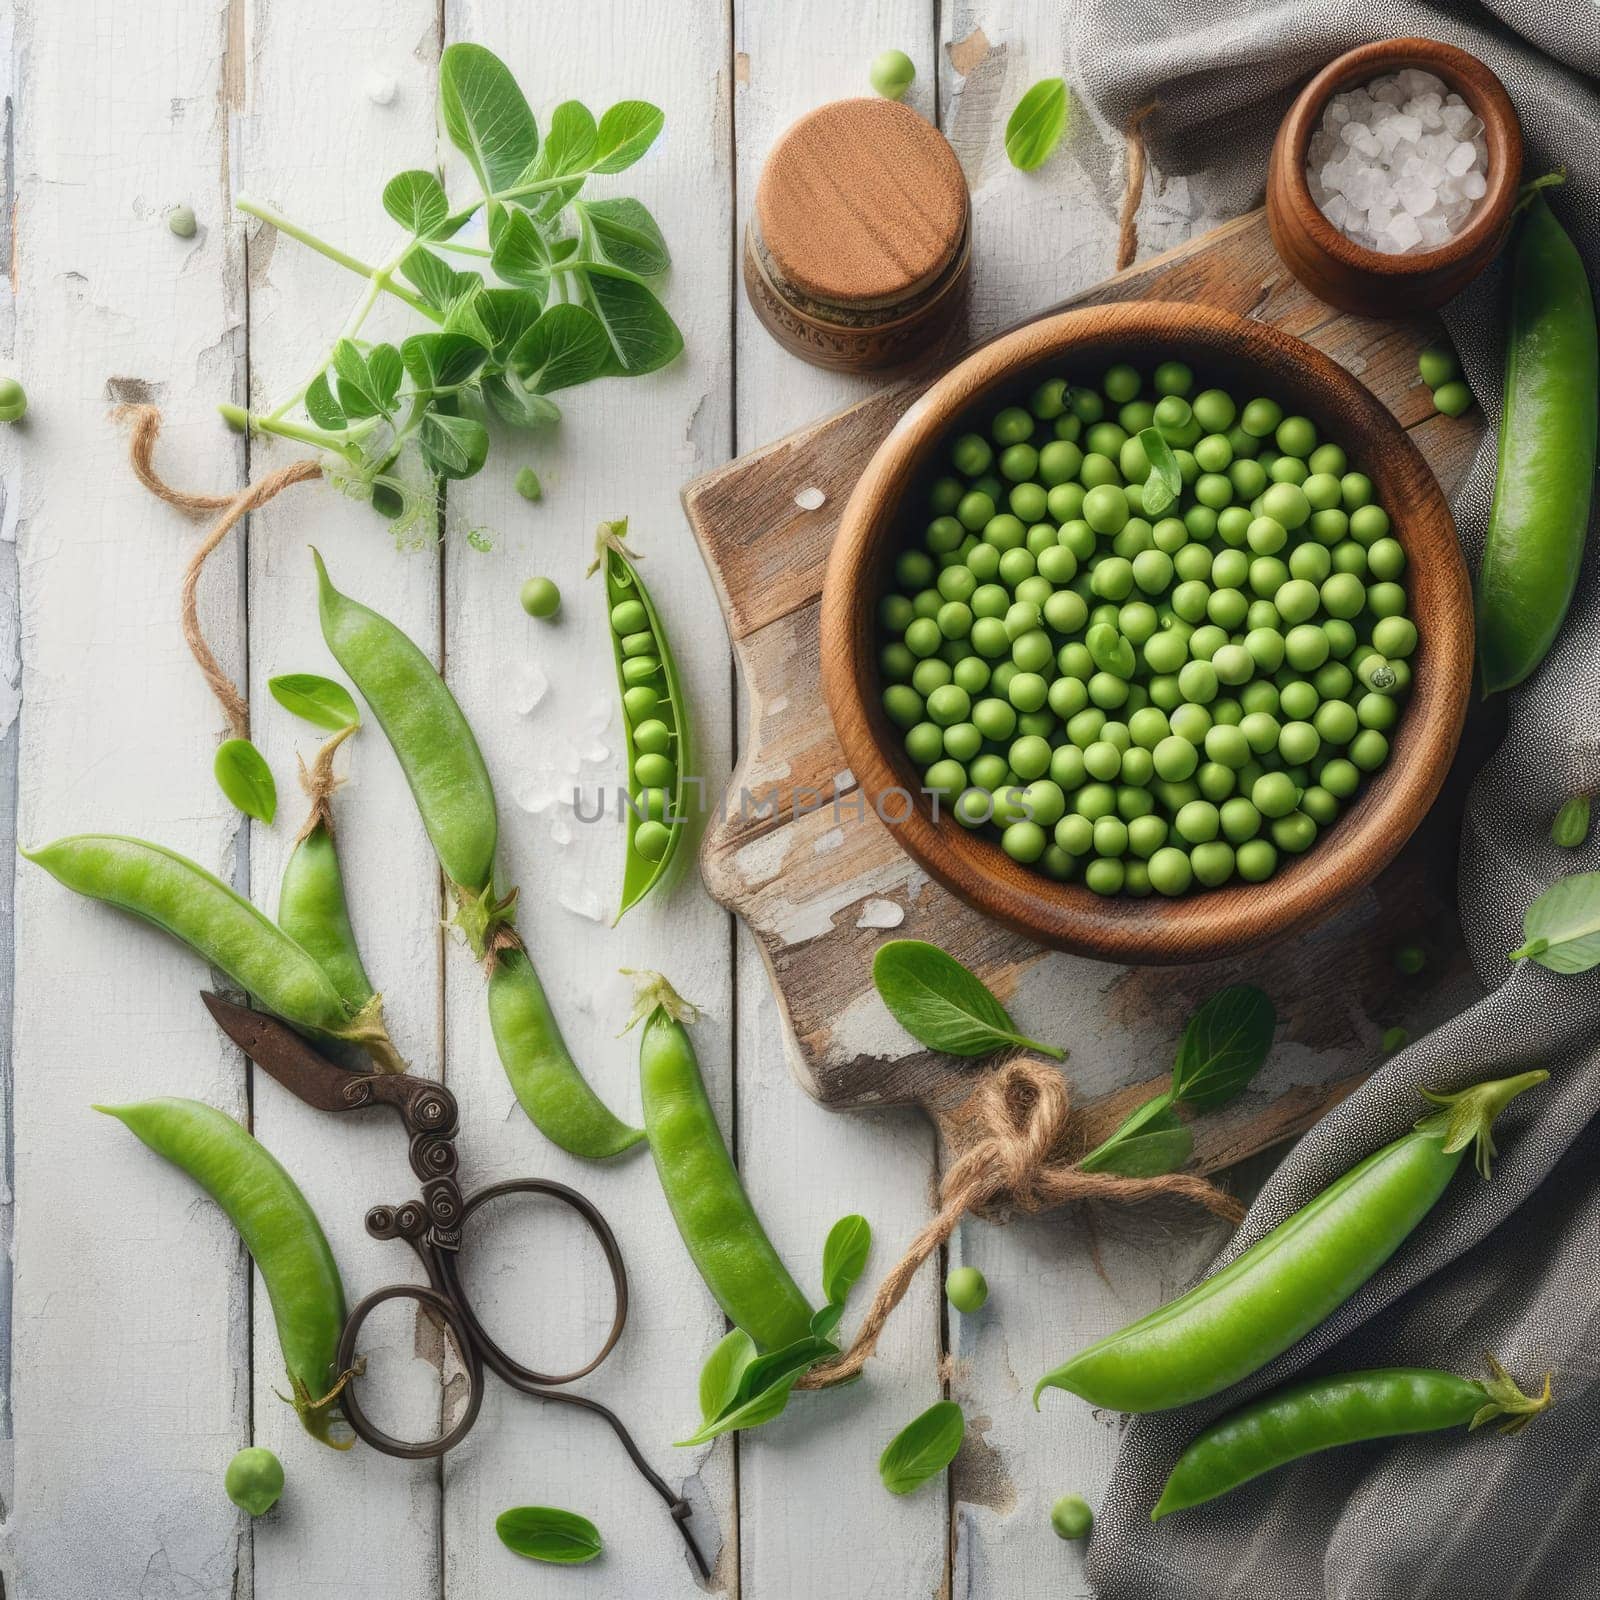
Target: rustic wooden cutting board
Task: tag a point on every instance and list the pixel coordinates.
(815, 875)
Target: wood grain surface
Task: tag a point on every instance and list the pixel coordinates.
(797, 852)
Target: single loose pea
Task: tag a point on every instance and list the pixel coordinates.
(540, 597)
(1410, 959)
(13, 400)
(1437, 365)
(1453, 399)
(254, 1480)
(891, 74)
(1394, 1039)
(528, 485)
(180, 219)
(966, 1289)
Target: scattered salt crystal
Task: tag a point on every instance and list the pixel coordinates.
(531, 686)
(881, 914)
(810, 499)
(583, 902)
(381, 88)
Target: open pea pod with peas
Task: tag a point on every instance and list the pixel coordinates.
(449, 781)
(655, 719)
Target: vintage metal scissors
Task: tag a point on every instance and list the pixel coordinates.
(432, 1226)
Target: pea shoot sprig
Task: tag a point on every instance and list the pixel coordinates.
(571, 296)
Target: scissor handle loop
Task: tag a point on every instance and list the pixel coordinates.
(350, 1400)
(514, 1371)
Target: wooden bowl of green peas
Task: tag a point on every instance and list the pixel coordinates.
(1147, 633)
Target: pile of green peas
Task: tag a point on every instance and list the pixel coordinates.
(1148, 703)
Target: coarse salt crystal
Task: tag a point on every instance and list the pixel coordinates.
(1473, 186)
(1460, 160)
(810, 499)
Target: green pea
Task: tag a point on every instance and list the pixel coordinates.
(1261, 417)
(1212, 862)
(1256, 860)
(541, 598)
(1297, 601)
(1049, 400)
(1453, 399)
(966, 1289)
(1019, 462)
(1394, 636)
(1311, 562)
(254, 1479)
(1012, 426)
(1248, 477)
(641, 700)
(1105, 876)
(1368, 524)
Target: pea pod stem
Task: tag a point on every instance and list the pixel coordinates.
(1345, 1408)
(715, 1218)
(279, 1229)
(1296, 1276)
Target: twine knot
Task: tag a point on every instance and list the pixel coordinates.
(1019, 1159)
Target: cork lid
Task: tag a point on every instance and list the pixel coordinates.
(861, 203)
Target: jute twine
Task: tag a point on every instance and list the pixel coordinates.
(1138, 164)
(146, 426)
(1021, 1115)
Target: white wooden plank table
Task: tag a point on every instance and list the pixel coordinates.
(141, 1356)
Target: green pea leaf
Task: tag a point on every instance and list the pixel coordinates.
(626, 131)
(844, 1255)
(1150, 1143)
(943, 1005)
(387, 371)
(570, 141)
(762, 1408)
(520, 254)
(455, 447)
(517, 405)
(416, 200)
(546, 1533)
(441, 360)
(638, 329)
(826, 1320)
(486, 116)
(786, 1362)
(245, 778)
(923, 1448)
(566, 346)
(1165, 482)
(321, 405)
(359, 394)
(505, 316)
(316, 699)
(719, 1377)
(624, 233)
(437, 281)
(1562, 927)
(1223, 1047)
(1571, 826)
(1035, 127)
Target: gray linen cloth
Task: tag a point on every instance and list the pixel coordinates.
(1512, 1265)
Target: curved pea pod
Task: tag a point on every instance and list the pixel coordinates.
(279, 1229)
(548, 1084)
(1346, 1408)
(183, 899)
(1234, 1322)
(655, 721)
(719, 1226)
(431, 738)
(1544, 471)
(312, 908)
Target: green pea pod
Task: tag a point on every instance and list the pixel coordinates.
(1346, 1408)
(655, 720)
(312, 908)
(431, 738)
(279, 1229)
(548, 1084)
(222, 927)
(719, 1226)
(1544, 472)
(1294, 1278)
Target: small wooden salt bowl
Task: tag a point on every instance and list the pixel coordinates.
(857, 253)
(1348, 275)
